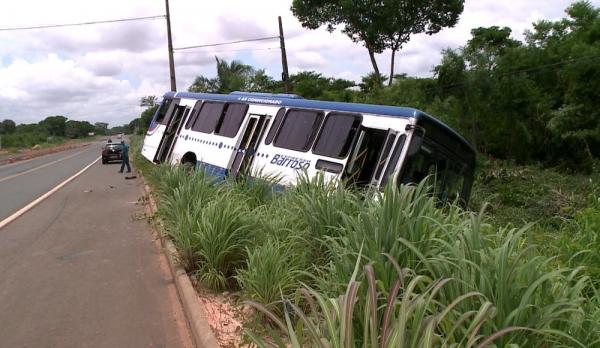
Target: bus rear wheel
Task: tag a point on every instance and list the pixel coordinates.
(189, 161)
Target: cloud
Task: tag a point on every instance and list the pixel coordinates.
(106, 63)
(57, 87)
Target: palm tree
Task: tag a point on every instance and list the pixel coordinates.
(235, 76)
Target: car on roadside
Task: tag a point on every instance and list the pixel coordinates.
(111, 152)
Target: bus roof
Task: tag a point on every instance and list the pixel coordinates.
(293, 100)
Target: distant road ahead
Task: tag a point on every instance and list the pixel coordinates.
(23, 182)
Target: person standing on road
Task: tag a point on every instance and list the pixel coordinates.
(125, 156)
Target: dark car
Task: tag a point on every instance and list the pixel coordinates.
(111, 152)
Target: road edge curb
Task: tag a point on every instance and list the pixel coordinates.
(202, 334)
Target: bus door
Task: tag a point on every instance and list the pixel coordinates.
(157, 127)
(387, 157)
(246, 148)
(173, 126)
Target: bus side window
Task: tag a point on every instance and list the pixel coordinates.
(232, 118)
(275, 126)
(299, 129)
(336, 135)
(208, 117)
(193, 115)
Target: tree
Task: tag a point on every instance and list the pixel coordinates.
(402, 18)
(359, 18)
(134, 126)
(7, 127)
(203, 84)
(487, 45)
(379, 24)
(146, 119)
(309, 84)
(371, 82)
(149, 101)
(578, 118)
(261, 82)
(77, 129)
(54, 125)
(313, 85)
(234, 76)
(100, 128)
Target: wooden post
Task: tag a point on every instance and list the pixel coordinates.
(284, 76)
(170, 44)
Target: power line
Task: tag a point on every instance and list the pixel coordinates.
(240, 50)
(226, 43)
(84, 23)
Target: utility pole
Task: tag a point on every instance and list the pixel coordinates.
(170, 44)
(285, 76)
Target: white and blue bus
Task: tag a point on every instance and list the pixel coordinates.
(284, 135)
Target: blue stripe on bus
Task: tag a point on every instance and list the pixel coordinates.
(212, 170)
(220, 174)
(275, 188)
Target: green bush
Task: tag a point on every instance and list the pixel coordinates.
(26, 140)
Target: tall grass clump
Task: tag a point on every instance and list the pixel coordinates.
(408, 314)
(258, 188)
(402, 224)
(320, 209)
(181, 208)
(275, 269)
(223, 231)
(167, 178)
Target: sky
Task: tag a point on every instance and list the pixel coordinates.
(98, 73)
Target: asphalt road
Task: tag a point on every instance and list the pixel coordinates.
(82, 269)
(22, 182)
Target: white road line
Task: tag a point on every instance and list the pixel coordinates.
(40, 167)
(38, 200)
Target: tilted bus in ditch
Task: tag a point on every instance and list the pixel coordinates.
(284, 135)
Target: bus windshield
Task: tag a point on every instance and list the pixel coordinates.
(449, 176)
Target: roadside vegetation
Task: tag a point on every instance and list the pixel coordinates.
(56, 130)
(340, 267)
(51, 131)
(331, 267)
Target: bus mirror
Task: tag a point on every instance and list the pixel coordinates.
(416, 142)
